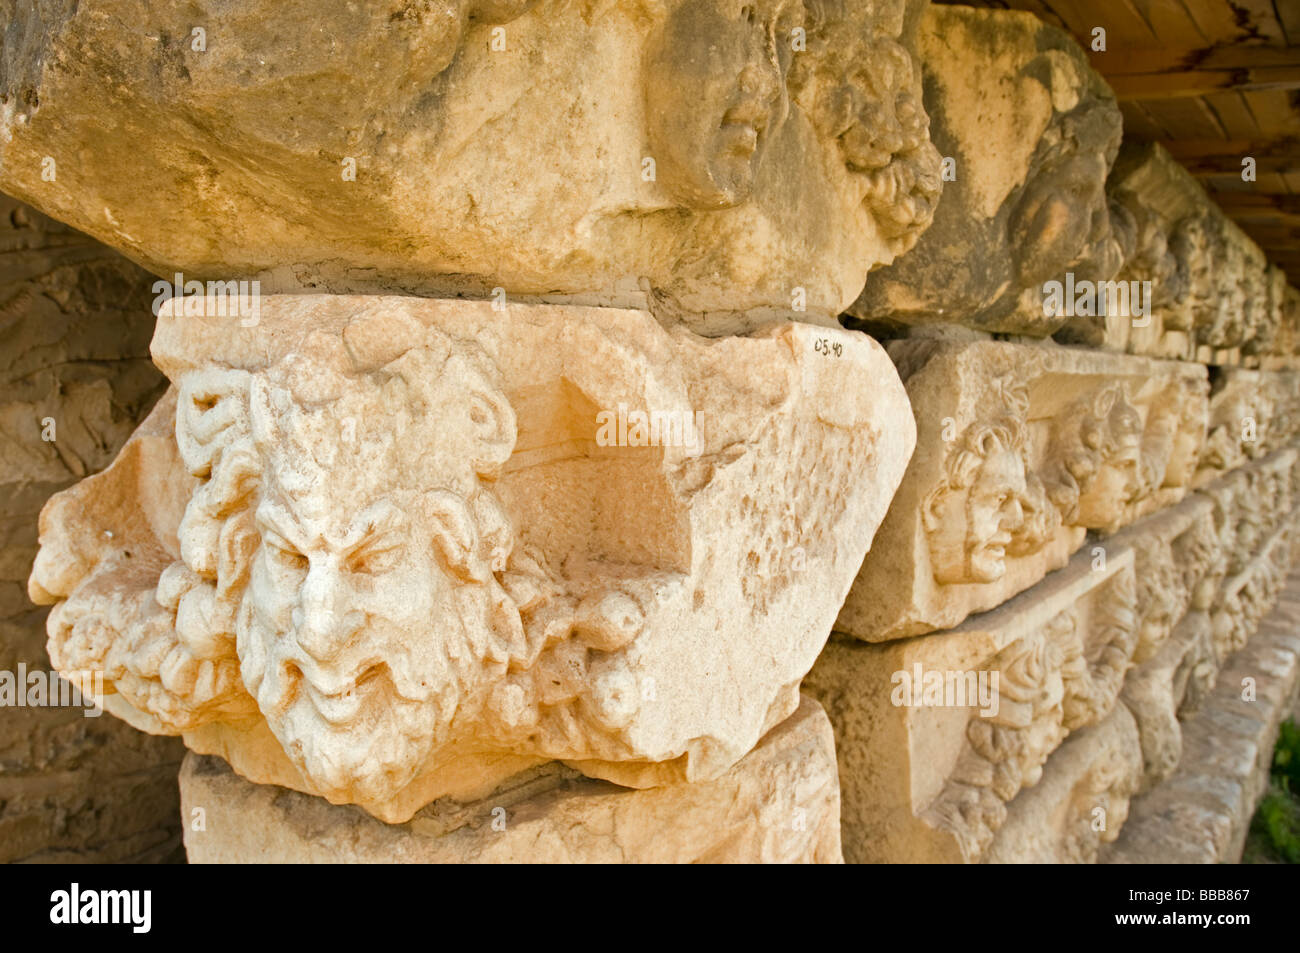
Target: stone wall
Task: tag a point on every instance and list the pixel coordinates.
(651, 432)
(76, 379)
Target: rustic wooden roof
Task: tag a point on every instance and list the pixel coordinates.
(1213, 81)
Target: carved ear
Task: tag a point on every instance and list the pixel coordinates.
(493, 420)
(455, 536)
(930, 520)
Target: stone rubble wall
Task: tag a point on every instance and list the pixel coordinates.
(76, 333)
(968, 440)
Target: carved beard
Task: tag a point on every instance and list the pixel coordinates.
(375, 755)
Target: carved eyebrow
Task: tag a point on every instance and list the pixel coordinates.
(279, 521)
(373, 522)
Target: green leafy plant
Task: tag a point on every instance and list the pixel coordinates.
(1275, 828)
(1286, 756)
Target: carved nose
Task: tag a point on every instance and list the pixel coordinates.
(323, 622)
(761, 79)
(1015, 512)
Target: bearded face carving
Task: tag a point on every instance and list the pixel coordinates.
(355, 557)
(973, 515)
(862, 89)
(365, 625)
(988, 505)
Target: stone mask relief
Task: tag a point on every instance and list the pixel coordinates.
(370, 578)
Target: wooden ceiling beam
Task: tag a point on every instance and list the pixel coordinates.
(1132, 61)
(1183, 84)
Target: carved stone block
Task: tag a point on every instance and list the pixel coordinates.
(715, 160)
(1167, 688)
(1021, 449)
(1206, 290)
(1202, 813)
(1082, 801)
(937, 735)
(389, 549)
(1030, 132)
(778, 804)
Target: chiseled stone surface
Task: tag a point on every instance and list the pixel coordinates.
(1252, 412)
(778, 804)
(955, 764)
(1213, 297)
(1202, 813)
(74, 368)
(380, 549)
(696, 155)
(1032, 131)
(1082, 801)
(1021, 449)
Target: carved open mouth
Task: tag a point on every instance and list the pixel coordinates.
(343, 704)
(742, 127)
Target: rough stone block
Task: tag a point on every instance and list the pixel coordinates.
(778, 804)
(388, 549)
(1020, 450)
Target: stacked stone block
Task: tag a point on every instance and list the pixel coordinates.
(1038, 658)
(604, 358)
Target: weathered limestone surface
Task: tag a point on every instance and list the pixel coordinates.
(380, 549)
(1021, 449)
(74, 369)
(956, 763)
(689, 155)
(1145, 617)
(1082, 801)
(1202, 813)
(778, 804)
(1212, 295)
(1032, 130)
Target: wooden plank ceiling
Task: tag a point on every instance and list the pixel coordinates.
(1213, 81)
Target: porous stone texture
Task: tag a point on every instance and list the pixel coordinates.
(778, 804)
(389, 549)
(74, 379)
(1131, 635)
(971, 715)
(1202, 813)
(1210, 295)
(1021, 449)
(1031, 132)
(697, 156)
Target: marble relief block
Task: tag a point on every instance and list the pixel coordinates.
(386, 549)
(1021, 450)
(967, 718)
(722, 162)
(778, 805)
(1029, 132)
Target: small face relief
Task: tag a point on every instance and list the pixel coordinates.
(1116, 485)
(973, 527)
(994, 513)
(1062, 218)
(715, 92)
(1183, 459)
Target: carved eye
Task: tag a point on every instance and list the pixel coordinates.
(376, 559)
(284, 555)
